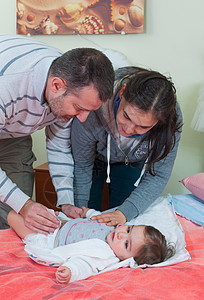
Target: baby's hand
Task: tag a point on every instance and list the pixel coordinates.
(63, 274)
(56, 213)
(84, 211)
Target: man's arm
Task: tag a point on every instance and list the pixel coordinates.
(61, 166)
(10, 193)
(35, 215)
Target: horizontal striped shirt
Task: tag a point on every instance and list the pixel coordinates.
(24, 67)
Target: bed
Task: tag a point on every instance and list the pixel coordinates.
(22, 278)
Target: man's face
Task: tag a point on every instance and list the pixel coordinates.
(126, 240)
(69, 106)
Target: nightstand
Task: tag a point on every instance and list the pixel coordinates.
(45, 191)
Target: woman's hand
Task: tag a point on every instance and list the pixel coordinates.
(111, 219)
(63, 274)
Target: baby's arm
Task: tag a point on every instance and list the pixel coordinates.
(63, 274)
(86, 258)
(16, 221)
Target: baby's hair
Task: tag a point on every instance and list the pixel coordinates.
(156, 249)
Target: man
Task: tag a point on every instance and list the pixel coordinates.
(41, 87)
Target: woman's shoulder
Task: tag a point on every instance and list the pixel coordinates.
(178, 110)
(91, 121)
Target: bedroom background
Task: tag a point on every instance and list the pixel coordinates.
(172, 43)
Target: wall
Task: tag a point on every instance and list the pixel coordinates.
(172, 44)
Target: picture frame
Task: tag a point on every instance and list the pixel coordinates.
(37, 17)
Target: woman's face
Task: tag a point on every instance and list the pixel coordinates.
(132, 120)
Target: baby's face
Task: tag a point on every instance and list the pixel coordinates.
(126, 240)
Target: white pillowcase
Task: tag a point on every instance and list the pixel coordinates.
(162, 216)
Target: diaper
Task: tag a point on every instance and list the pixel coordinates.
(43, 241)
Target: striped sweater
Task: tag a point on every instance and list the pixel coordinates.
(24, 67)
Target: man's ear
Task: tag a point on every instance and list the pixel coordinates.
(57, 84)
(122, 90)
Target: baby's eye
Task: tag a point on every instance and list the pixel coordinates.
(126, 244)
(128, 229)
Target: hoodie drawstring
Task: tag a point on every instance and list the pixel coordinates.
(108, 159)
(141, 174)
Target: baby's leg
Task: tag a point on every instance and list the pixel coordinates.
(16, 222)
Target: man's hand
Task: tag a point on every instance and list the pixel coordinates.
(63, 274)
(111, 219)
(37, 218)
(71, 211)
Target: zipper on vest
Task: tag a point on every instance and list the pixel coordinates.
(126, 157)
(126, 160)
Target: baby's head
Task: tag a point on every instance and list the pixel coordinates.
(155, 250)
(145, 243)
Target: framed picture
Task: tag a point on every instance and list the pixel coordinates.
(79, 17)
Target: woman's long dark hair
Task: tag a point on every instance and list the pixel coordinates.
(152, 92)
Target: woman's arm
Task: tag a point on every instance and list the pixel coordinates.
(151, 187)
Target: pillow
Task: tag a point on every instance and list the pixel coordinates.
(190, 207)
(195, 184)
(161, 215)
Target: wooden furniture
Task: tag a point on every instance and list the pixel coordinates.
(45, 191)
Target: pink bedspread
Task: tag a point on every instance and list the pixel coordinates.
(21, 278)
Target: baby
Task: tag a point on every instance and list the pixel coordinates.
(145, 244)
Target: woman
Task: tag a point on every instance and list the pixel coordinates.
(134, 138)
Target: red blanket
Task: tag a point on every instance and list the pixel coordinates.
(21, 278)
